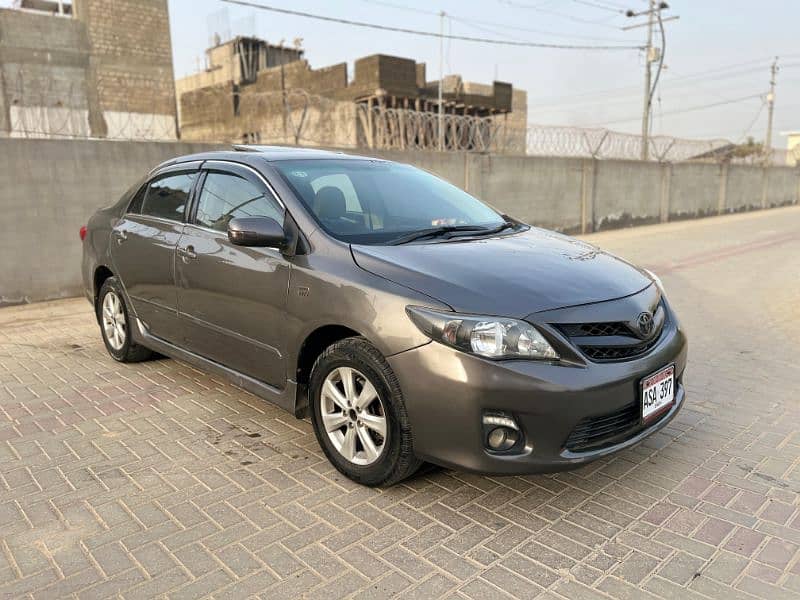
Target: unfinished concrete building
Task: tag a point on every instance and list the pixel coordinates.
(253, 91)
(87, 68)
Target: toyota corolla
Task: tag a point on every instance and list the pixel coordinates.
(409, 320)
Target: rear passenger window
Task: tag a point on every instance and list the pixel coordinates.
(135, 206)
(167, 196)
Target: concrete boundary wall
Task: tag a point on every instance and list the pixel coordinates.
(49, 188)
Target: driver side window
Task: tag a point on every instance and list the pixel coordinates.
(226, 196)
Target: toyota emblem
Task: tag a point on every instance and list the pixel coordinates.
(645, 323)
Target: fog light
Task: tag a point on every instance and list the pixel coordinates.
(502, 438)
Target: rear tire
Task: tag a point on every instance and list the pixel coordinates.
(115, 324)
(359, 416)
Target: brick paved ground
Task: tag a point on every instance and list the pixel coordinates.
(157, 479)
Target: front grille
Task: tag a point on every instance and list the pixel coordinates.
(594, 329)
(613, 340)
(596, 432)
(610, 353)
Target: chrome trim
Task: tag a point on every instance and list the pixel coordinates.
(128, 215)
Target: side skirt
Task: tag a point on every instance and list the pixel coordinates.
(285, 398)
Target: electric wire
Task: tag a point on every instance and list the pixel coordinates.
(688, 109)
(556, 13)
(674, 82)
(467, 20)
(431, 34)
(753, 122)
(599, 5)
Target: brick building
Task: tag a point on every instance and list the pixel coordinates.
(99, 68)
(253, 91)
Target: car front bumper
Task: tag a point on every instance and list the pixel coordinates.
(447, 392)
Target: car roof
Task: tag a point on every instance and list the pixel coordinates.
(253, 155)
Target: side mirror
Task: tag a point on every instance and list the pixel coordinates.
(263, 232)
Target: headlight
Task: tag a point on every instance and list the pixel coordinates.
(656, 279)
(491, 337)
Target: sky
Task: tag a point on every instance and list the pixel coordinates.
(718, 52)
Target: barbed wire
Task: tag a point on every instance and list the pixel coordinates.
(40, 105)
(46, 107)
(549, 140)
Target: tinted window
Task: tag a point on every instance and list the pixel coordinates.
(136, 204)
(341, 182)
(226, 196)
(168, 196)
(371, 202)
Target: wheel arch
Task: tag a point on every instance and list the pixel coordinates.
(101, 273)
(312, 346)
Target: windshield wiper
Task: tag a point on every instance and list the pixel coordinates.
(435, 232)
(499, 228)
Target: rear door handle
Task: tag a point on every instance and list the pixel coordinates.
(187, 252)
(120, 236)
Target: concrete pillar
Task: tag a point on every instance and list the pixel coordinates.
(797, 194)
(467, 185)
(666, 180)
(587, 194)
(722, 200)
(5, 111)
(764, 186)
(370, 126)
(484, 172)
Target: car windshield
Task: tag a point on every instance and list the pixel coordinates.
(375, 202)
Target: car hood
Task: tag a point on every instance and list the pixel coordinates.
(509, 275)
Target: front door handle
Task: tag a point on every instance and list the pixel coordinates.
(187, 253)
(120, 236)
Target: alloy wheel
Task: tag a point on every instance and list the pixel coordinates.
(353, 415)
(114, 324)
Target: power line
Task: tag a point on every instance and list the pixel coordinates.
(571, 106)
(421, 11)
(752, 123)
(431, 34)
(477, 24)
(599, 5)
(690, 109)
(617, 5)
(682, 80)
(547, 11)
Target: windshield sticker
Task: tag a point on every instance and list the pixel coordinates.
(299, 174)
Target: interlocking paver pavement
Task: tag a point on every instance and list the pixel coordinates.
(157, 479)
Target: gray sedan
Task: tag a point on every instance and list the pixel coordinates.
(411, 321)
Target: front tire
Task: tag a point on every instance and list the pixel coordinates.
(359, 416)
(112, 314)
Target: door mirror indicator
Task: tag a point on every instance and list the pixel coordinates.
(263, 232)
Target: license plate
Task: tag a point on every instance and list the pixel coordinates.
(658, 392)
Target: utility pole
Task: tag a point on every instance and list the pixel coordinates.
(653, 13)
(647, 75)
(771, 109)
(441, 79)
